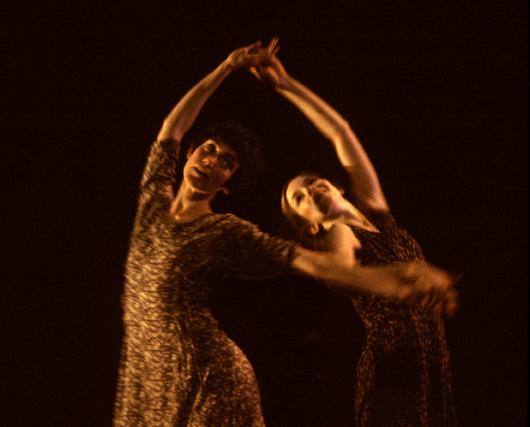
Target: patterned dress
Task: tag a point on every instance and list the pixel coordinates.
(403, 374)
(178, 368)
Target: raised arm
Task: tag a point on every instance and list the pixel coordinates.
(365, 184)
(182, 116)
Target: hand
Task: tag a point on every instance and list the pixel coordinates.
(430, 287)
(271, 70)
(249, 56)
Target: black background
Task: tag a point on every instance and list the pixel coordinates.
(438, 95)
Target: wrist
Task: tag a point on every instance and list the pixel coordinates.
(226, 67)
(285, 84)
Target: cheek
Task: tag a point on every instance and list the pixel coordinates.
(222, 176)
(306, 212)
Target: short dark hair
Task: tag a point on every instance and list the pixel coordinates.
(246, 146)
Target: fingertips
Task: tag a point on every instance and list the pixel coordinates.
(254, 47)
(451, 304)
(455, 277)
(254, 72)
(273, 43)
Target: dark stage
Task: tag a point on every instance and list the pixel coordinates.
(437, 94)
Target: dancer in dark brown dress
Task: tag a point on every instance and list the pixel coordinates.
(178, 368)
(403, 375)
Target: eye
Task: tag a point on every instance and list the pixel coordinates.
(298, 198)
(227, 163)
(209, 147)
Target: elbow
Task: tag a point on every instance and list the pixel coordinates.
(343, 133)
(344, 129)
(170, 130)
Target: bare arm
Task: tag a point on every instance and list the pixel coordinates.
(418, 283)
(183, 115)
(365, 184)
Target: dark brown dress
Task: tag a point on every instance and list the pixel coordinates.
(178, 368)
(403, 375)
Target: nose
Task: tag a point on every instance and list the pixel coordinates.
(209, 161)
(312, 189)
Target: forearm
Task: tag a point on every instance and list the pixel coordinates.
(366, 187)
(326, 119)
(415, 282)
(183, 115)
(343, 273)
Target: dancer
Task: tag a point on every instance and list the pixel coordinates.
(403, 375)
(178, 368)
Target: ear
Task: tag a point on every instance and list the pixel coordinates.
(313, 228)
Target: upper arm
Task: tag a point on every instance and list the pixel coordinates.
(159, 174)
(170, 130)
(365, 185)
(366, 190)
(248, 251)
(339, 245)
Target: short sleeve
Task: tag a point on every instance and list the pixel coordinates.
(253, 253)
(382, 219)
(159, 175)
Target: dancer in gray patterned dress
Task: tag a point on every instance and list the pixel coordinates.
(178, 368)
(403, 376)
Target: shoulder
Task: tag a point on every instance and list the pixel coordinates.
(340, 231)
(234, 223)
(340, 236)
(381, 218)
(168, 145)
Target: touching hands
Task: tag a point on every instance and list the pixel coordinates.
(270, 70)
(250, 56)
(260, 61)
(430, 287)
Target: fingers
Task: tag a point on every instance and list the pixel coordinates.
(273, 46)
(430, 300)
(253, 48)
(454, 277)
(254, 54)
(442, 297)
(450, 304)
(256, 73)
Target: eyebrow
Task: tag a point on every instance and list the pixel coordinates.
(231, 156)
(308, 179)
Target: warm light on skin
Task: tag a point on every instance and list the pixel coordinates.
(315, 199)
(210, 166)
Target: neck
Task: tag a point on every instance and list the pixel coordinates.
(349, 214)
(190, 204)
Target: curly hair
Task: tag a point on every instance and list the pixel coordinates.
(246, 146)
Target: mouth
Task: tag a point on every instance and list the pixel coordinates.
(201, 173)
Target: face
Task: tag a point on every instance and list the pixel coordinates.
(314, 199)
(210, 166)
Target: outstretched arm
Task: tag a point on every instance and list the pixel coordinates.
(183, 115)
(418, 283)
(365, 183)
